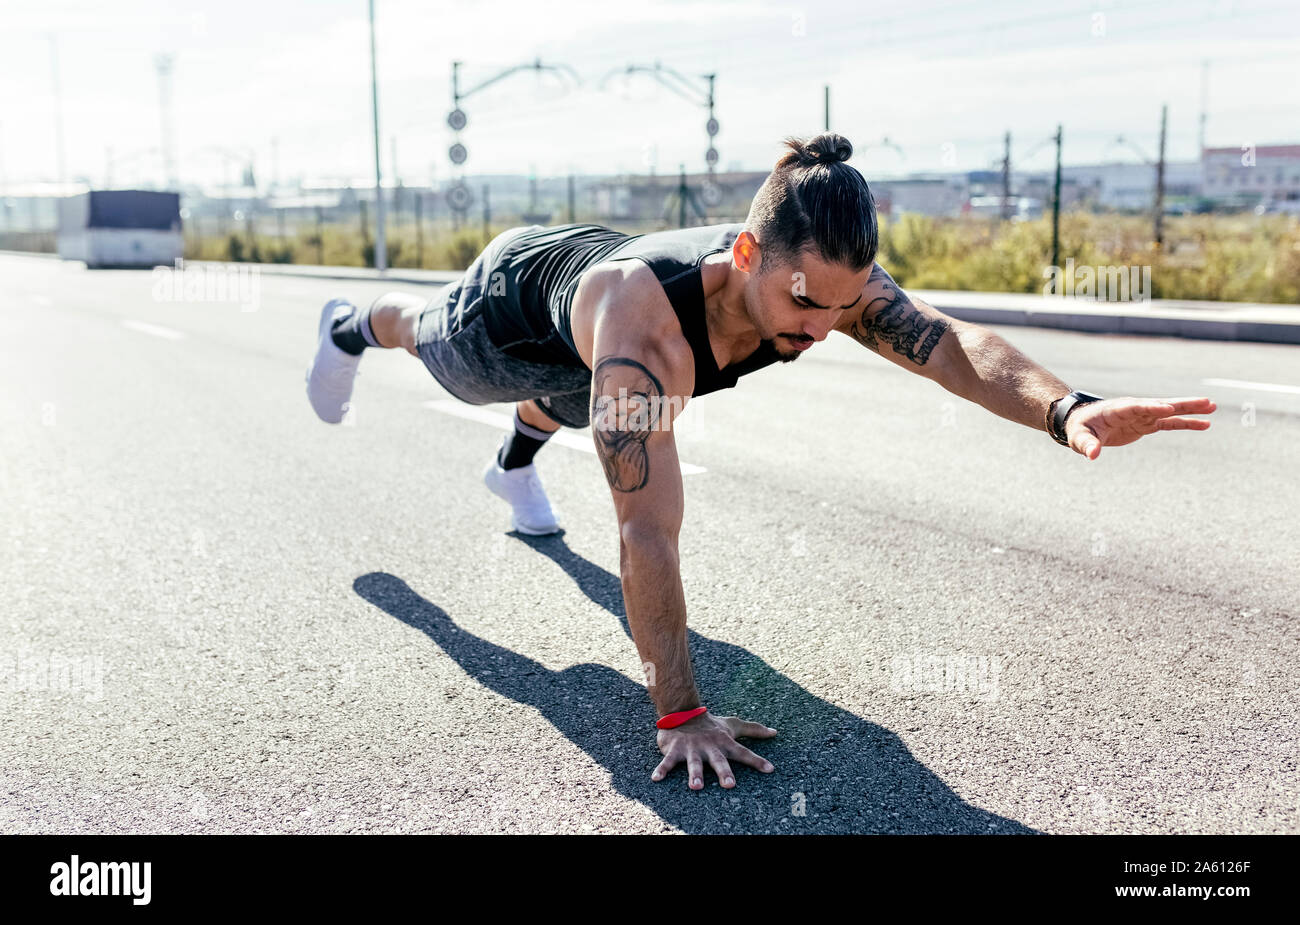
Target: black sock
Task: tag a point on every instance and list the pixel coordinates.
(352, 333)
(521, 445)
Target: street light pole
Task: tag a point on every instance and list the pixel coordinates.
(1160, 180)
(58, 110)
(1056, 205)
(381, 245)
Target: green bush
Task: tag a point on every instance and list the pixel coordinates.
(1212, 257)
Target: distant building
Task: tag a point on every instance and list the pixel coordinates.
(1247, 176)
(655, 198)
(34, 207)
(1131, 186)
(928, 195)
(1018, 208)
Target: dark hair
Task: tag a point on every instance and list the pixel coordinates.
(812, 200)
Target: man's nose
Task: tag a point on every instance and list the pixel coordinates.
(818, 332)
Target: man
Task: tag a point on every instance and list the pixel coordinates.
(581, 324)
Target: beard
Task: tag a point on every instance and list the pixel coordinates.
(786, 355)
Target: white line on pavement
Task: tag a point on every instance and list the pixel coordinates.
(156, 330)
(1256, 386)
(506, 422)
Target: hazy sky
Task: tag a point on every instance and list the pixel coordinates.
(942, 80)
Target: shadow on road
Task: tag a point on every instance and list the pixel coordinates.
(855, 776)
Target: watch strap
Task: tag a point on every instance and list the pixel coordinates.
(1059, 411)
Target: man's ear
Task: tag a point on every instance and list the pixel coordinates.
(745, 252)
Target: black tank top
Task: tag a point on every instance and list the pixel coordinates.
(528, 313)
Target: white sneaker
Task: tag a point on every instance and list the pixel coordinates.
(332, 372)
(530, 511)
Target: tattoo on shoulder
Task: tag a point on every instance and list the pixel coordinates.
(626, 400)
(892, 318)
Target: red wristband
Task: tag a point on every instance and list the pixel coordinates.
(673, 720)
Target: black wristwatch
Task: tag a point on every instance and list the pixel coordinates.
(1060, 409)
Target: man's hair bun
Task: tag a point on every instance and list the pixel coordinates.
(826, 148)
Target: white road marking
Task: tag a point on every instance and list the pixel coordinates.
(506, 422)
(156, 330)
(1256, 386)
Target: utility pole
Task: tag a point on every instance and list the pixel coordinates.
(684, 198)
(1056, 205)
(1160, 180)
(692, 92)
(163, 63)
(826, 109)
(381, 245)
(1006, 176)
(397, 179)
(572, 212)
(1205, 101)
(487, 213)
(419, 229)
(682, 193)
(58, 110)
(1205, 105)
(681, 199)
(458, 194)
(4, 178)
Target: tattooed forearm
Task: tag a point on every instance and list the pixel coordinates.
(892, 318)
(626, 399)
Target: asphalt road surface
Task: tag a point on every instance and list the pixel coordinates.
(222, 615)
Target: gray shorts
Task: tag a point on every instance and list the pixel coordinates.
(454, 345)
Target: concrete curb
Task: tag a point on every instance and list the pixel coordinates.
(1227, 321)
(46, 255)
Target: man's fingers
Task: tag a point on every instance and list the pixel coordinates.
(739, 753)
(1183, 424)
(1191, 405)
(1157, 408)
(671, 760)
(744, 728)
(718, 762)
(1087, 444)
(694, 770)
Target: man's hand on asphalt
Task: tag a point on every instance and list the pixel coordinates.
(713, 739)
(1117, 421)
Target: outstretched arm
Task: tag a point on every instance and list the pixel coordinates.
(983, 367)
